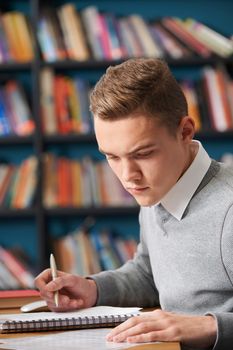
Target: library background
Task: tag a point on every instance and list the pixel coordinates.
(56, 191)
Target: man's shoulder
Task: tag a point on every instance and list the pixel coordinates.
(219, 178)
(225, 176)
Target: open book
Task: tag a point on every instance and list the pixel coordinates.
(98, 316)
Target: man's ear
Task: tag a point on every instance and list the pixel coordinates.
(187, 129)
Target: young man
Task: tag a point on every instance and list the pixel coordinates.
(184, 261)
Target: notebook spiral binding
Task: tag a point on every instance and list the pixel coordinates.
(67, 323)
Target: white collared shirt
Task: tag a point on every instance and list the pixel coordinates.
(177, 199)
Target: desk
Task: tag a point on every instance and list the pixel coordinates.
(161, 346)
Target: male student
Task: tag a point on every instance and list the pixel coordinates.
(184, 261)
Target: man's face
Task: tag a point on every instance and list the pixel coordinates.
(146, 158)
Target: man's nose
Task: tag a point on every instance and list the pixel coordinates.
(130, 171)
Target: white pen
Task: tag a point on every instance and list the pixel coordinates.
(54, 275)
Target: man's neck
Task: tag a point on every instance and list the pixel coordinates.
(191, 154)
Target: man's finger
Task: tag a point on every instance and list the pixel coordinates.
(138, 329)
(123, 327)
(160, 335)
(43, 278)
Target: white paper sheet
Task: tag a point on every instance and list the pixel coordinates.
(85, 339)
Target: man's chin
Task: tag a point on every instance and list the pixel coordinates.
(145, 202)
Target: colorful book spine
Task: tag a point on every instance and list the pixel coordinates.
(176, 27)
(22, 274)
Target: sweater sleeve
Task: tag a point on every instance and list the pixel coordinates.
(224, 338)
(130, 285)
(224, 320)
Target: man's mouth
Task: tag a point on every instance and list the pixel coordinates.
(136, 190)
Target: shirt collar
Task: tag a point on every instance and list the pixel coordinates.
(178, 197)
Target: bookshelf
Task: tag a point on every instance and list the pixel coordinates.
(30, 227)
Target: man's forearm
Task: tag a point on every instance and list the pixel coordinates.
(129, 285)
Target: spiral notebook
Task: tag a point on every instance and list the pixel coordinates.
(95, 317)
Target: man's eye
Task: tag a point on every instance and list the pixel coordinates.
(143, 155)
(111, 157)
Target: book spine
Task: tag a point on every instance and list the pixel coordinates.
(47, 101)
(175, 26)
(82, 91)
(74, 34)
(215, 101)
(17, 98)
(45, 40)
(8, 279)
(150, 48)
(25, 278)
(90, 19)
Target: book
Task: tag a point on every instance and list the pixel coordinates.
(94, 317)
(214, 41)
(17, 268)
(149, 46)
(7, 280)
(6, 174)
(220, 121)
(47, 101)
(50, 35)
(93, 29)
(23, 36)
(17, 298)
(192, 100)
(18, 103)
(176, 27)
(73, 32)
(172, 47)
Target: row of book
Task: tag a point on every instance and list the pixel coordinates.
(18, 183)
(84, 253)
(81, 183)
(218, 92)
(14, 271)
(66, 32)
(67, 183)
(64, 104)
(15, 113)
(210, 100)
(16, 40)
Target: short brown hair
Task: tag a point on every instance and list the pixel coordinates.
(139, 85)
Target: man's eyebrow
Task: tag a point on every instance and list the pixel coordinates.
(101, 151)
(137, 149)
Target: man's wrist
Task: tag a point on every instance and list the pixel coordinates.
(93, 291)
(212, 329)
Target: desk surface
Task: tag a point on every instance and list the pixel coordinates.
(160, 346)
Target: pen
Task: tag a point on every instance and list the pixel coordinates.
(54, 275)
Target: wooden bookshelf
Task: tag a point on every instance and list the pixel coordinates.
(17, 213)
(69, 138)
(93, 211)
(16, 140)
(90, 138)
(14, 67)
(215, 135)
(92, 64)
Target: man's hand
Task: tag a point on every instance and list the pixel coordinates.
(158, 325)
(75, 292)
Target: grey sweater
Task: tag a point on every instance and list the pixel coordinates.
(184, 266)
